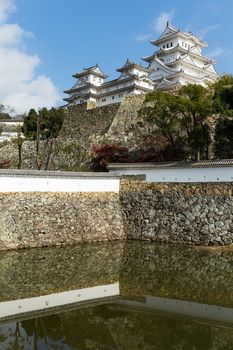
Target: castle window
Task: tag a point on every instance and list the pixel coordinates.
(103, 99)
(120, 95)
(164, 46)
(171, 44)
(167, 45)
(113, 97)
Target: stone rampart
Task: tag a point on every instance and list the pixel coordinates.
(46, 219)
(84, 128)
(56, 208)
(80, 124)
(187, 213)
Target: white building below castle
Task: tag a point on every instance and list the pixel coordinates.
(177, 61)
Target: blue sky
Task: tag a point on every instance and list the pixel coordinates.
(53, 39)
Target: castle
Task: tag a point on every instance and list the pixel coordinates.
(177, 61)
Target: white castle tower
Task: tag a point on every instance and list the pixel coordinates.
(179, 61)
(91, 87)
(86, 86)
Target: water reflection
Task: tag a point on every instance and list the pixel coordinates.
(111, 327)
(177, 272)
(35, 272)
(157, 286)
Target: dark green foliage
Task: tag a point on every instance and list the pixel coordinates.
(181, 118)
(223, 147)
(196, 105)
(30, 125)
(223, 95)
(49, 123)
(163, 109)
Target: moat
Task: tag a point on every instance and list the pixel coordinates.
(157, 297)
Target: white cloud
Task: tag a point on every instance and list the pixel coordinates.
(39, 92)
(6, 7)
(220, 52)
(161, 21)
(216, 52)
(12, 34)
(159, 25)
(142, 37)
(20, 87)
(204, 32)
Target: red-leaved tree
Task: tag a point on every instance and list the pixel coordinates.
(5, 164)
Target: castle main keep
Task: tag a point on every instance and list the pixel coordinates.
(177, 61)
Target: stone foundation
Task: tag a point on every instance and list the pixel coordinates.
(196, 214)
(200, 213)
(46, 219)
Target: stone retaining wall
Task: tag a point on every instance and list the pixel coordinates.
(72, 151)
(197, 214)
(200, 213)
(45, 219)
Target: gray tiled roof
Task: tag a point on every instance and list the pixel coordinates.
(167, 165)
(56, 174)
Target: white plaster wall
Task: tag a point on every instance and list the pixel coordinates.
(7, 136)
(211, 69)
(6, 123)
(139, 72)
(170, 57)
(218, 174)
(95, 80)
(50, 184)
(198, 62)
(145, 84)
(110, 100)
(182, 41)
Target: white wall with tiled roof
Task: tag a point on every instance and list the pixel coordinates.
(176, 174)
(42, 183)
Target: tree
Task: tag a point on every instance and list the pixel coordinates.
(223, 95)
(5, 164)
(30, 125)
(51, 122)
(182, 118)
(4, 112)
(163, 109)
(223, 102)
(43, 125)
(103, 155)
(19, 142)
(47, 122)
(223, 147)
(195, 106)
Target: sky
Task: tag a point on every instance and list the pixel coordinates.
(44, 42)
